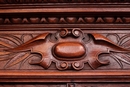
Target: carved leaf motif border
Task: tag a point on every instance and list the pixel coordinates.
(68, 49)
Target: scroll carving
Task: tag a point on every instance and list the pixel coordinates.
(68, 49)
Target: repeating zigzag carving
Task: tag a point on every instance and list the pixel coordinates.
(65, 20)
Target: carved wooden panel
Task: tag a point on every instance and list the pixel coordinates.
(64, 43)
(68, 49)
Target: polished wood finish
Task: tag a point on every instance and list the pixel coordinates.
(64, 43)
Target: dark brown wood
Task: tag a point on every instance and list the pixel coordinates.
(64, 43)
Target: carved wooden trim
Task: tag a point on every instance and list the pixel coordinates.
(51, 76)
(42, 30)
(66, 20)
(30, 9)
(68, 49)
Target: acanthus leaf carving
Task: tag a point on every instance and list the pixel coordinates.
(102, 45)
(69, 50)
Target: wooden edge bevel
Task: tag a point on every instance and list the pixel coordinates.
(64, 76)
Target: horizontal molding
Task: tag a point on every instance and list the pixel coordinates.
(68, 76)
(65, 20)
(42, 27)
(83, 5)
(63, 1)
(67, 10)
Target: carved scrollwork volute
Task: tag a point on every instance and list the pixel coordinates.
(68, 49)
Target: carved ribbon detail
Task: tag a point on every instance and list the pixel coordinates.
(69, 49)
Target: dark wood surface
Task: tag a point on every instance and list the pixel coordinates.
(64, 43)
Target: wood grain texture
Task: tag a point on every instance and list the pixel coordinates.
(58, 43)
(62, 1)
(68, 49)
(68, 85)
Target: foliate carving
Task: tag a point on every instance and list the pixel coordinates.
(65, 20)
(62, 1)
(68, 49)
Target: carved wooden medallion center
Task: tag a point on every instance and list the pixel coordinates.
(69, 50)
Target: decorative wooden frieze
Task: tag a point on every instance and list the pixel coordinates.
(66, 20)
(68, 49)
(45, 42)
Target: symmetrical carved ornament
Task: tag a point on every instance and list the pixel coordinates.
(68, 49)
(66, 20)
(62, 1)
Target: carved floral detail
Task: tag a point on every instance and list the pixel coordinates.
(68, 49)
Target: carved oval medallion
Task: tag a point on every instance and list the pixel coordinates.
(69, 50)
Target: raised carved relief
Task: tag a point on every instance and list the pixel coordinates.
(62, 1)
(68, 49)
(66, 20)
